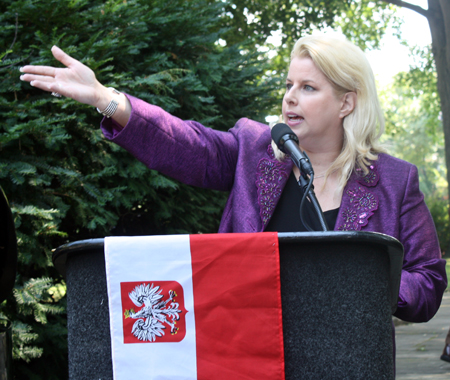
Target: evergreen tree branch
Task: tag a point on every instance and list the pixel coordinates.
(15, 37)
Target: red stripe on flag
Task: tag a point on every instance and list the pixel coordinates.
(237, 301)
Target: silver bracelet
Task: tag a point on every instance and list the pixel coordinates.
(112, 106)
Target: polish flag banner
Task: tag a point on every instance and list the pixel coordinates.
(204, 307)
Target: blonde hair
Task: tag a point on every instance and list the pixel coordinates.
(348, 70)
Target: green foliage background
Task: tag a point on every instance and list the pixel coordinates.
(414, 133)
(64, 181)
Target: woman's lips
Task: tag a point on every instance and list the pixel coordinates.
(294, 119)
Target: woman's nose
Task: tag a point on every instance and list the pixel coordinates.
(290, 97)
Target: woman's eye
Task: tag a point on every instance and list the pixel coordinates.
(308, 88)
(288, 86)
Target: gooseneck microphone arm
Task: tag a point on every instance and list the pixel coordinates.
(287, 142)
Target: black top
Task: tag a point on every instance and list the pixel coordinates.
(286, 217)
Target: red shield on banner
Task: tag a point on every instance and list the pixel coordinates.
(153, 311)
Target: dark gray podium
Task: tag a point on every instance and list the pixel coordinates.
(338, 292)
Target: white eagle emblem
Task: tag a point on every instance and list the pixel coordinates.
(155, 313)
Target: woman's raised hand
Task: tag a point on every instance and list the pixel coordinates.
(76, 81)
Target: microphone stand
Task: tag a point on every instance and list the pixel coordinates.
(308, 191)
(287, 142)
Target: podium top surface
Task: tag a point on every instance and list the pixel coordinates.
(386, 243)
(392, 245)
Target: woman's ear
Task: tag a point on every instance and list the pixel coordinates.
(348, 103)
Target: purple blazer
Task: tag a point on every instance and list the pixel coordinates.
(241, 161)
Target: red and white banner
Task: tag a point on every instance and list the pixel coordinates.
(204, 307)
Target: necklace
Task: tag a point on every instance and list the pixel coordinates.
(323, 175)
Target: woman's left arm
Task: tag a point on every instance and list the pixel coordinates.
(423, 279)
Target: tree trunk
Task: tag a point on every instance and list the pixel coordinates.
(439, 21)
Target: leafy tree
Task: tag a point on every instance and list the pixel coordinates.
(362, 21)
(414, 121)
(438, 17)
(64, 181)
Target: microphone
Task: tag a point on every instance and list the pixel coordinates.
(287, 142)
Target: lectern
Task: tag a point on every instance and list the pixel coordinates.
(338, 291)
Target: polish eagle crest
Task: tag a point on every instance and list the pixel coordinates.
(155, 314)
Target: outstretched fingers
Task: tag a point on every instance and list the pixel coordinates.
(50, 86)
(75, 81)
(46, 71)
(42, 77)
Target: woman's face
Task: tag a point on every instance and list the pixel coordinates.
(311, 107)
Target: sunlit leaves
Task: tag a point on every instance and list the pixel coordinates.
(414, 133)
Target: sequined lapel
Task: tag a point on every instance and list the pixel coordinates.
(271, 177)
(359, 201)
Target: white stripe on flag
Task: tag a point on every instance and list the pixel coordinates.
(148, 259)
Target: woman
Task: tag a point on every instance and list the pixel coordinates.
(332, 105)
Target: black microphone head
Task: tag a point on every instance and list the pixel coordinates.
(280, 133)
